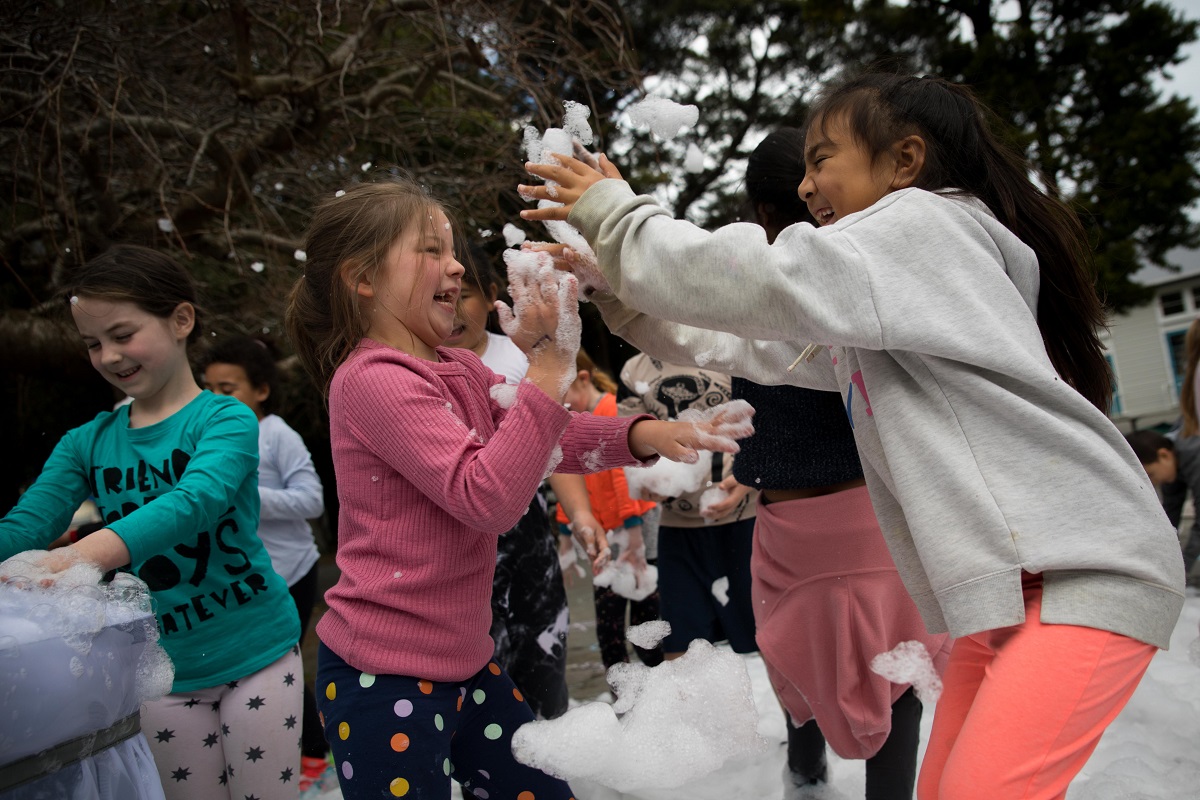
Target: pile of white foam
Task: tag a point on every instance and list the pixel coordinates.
(670, 725)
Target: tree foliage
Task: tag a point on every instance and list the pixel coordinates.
(209, 128)
(1075, 81)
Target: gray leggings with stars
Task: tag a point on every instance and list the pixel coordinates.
(237, 740)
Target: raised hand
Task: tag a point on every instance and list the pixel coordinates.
(544, 319)
(565, 184)
(579, 260)
(716, 429)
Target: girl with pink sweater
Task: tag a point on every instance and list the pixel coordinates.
(435, 458)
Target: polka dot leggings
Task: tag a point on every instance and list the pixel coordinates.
(399, 736)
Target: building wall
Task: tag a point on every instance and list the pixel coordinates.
(1145, 347)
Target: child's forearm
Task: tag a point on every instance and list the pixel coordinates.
(552, 376)
(104, 548)
(571, 491)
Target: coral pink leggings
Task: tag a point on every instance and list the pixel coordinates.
(1024, 707)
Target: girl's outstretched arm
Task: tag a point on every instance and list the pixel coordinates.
(717, 429)
(103, 549)
(570, 181)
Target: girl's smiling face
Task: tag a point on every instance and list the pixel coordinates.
(412, 298)
(840, 176)
(136, 351)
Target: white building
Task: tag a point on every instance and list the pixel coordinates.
(1145, 345)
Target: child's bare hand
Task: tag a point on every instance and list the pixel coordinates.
(716, 429)
(590, 533)
(566, 183)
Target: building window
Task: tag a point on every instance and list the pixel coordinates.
(1177, 355)
(1171, 303)
(1114, 407)
(1196, 296)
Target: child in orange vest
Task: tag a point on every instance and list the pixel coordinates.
(593, 391)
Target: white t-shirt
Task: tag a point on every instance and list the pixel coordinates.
(505, 358)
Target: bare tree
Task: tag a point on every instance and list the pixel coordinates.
(209, 128)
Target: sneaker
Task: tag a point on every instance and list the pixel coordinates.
(312, 776)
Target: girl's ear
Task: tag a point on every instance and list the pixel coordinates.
(363, 287)
(183, 319)
(355, 279)
(583, 376)
(493, 293)
(909, 157)
(261, 393)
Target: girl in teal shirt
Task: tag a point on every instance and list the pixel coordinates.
(175, 476)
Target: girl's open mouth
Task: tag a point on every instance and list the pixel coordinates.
(128, 373)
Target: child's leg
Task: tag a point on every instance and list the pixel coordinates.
(965, 671)
(806, 753)
(610, 625)
(481, 751)
(390, 734)
(641, 611)
(892, 772)
(685, 588)
(260, 721)
(737, 616)
(184, 732)
(1045, 694)
(536, 618)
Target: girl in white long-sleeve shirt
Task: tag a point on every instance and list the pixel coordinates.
(290, 494)
(954, 308)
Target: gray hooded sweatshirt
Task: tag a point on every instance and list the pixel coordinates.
(981, 462)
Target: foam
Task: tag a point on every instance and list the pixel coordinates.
(677, 722)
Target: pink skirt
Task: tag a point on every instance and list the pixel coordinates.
(827, 600)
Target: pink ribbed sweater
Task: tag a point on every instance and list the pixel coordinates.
(430, 471)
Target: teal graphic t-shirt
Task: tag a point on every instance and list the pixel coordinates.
(183, 496)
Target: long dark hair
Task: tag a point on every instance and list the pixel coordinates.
(773, 175)
(964, 153)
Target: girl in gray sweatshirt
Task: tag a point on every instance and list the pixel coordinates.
(950, 301)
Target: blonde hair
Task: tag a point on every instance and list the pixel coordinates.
(600, 379)
(348, 239)
(1187, 394)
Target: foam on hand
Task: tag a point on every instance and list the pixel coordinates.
(666, 478)
(909, 662)
(539, 149)
(620, 576)
(532, 277)
(718, 428)
(711, 496)
(673, 724)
